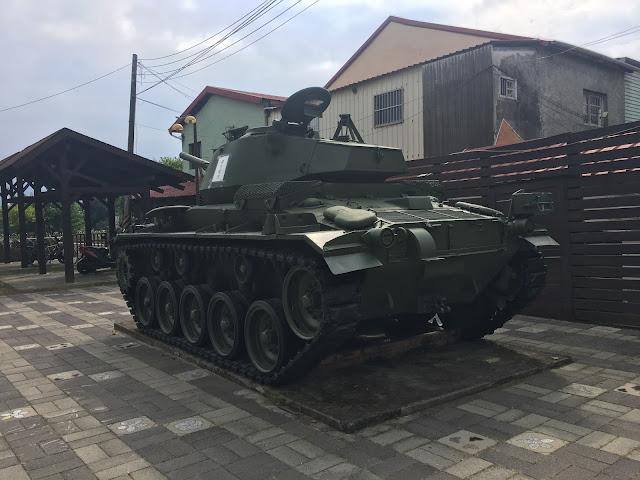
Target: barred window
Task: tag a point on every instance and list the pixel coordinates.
(387, 108)
(593, 108)
(508, 88)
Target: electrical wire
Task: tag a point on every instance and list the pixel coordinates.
(177, 83)
(152, 128)
(206, 39)
(255, 41)
(208, 49)
(167, 83)
(261, 11)
(158, 105)
(64, 91)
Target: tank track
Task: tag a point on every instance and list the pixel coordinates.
(340, 307)
(503, 307)
(534, 272)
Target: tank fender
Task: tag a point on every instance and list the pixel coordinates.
(424, 246)
(343, 252)
(540, 239)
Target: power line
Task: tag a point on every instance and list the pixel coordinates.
(152, 128)
(206, 39)
(255, 41)
(262, 10)
(65, 91)
(164, 81)
(202, 58)
(158, 105)
(177, 83)
(205, 51)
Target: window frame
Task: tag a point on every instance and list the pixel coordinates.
(515, 87)
(191, 148)
(589, 94)
(387, 111)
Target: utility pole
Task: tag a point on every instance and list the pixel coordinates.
(126, 223)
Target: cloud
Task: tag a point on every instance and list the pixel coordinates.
(56, 45)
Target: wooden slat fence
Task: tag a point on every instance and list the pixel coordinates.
(594, 275)
(98, 239)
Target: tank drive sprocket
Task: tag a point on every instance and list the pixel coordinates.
(525, 278)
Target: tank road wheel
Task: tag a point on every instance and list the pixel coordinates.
(302, 302)
(146, 301)
(158, 260)
(193, 313)
(167, 304)
(124, 271)
(182, 262)
(225, 323)
(266, 335)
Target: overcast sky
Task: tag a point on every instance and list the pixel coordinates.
(53, 45)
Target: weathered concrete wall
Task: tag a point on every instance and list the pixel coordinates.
(550, 90)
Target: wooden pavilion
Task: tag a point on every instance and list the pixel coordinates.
(67, 167)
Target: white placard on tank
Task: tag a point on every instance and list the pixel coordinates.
(221, 167)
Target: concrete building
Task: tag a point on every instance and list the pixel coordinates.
(434, 89)
(218, 109)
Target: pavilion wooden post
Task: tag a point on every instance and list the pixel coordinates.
(22, 222)
(37, 196)
(67, 229)
(5, 222)
(86, 203)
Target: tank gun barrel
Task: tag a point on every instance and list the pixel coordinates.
(194, 161)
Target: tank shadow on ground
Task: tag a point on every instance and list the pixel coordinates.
(356, 395)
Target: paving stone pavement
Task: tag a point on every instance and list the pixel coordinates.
(79, 401)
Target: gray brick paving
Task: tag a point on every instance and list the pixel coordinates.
(66, 425)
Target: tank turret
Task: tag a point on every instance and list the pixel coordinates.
(288, 150)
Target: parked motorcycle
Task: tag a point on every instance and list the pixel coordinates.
(92, 258)
(55, 250)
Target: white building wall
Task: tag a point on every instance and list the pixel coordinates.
(408, 134)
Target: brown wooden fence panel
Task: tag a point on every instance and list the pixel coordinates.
(594, 176)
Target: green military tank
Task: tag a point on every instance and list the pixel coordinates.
(300, 242)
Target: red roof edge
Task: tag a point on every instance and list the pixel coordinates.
(248, 97)
(416, 23)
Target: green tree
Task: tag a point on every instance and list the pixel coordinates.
(173, 162)
(53, 218)
(29, 215)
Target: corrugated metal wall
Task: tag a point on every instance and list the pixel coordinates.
(632, 97)
(407, 135)
(458, 102)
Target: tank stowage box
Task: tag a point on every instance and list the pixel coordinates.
(299, 242)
